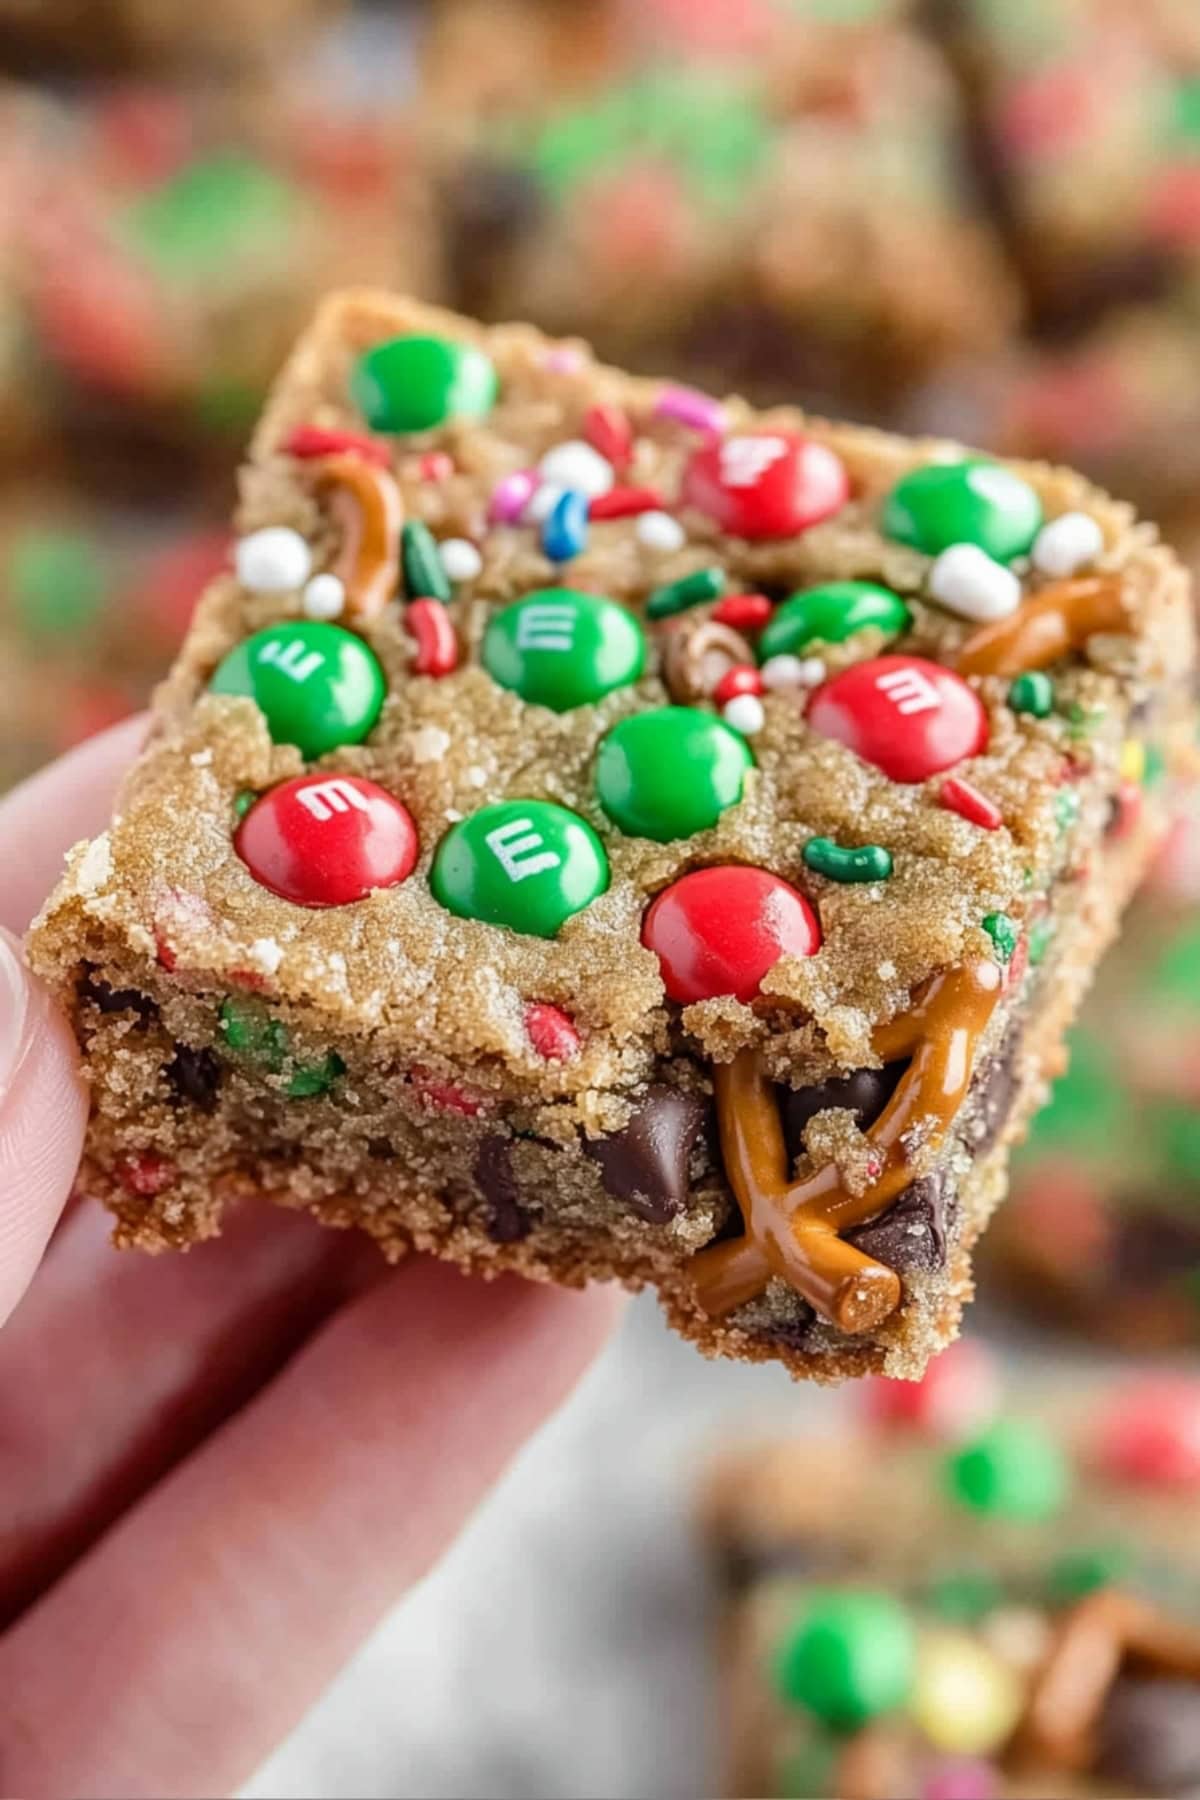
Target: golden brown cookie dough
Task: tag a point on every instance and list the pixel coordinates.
(305, 962)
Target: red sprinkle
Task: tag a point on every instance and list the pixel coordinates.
(1126, 812)
(958, 796)
(607, 429)
(741, 679)
(551, 1032)
(624, 502)
(309, 441)
(437, 646)
(146, 1174)
(744, 612)
(435, 465)
(446, 1096)
(1014, 975)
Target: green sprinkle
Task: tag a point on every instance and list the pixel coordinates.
(243, 801)
(1041, 933)
(1156, 765)
(1003, 934)
(689, 590)
(869, 862)
(1032, 693)
(1080, 1572)
(425, 576)
(1083, 720)
(1066, 808)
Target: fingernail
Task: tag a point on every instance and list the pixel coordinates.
(15, 994)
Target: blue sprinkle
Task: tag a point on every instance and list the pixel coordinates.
(565, 531)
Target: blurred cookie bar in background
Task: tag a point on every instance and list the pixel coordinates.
(954, 1600)
(120, 35)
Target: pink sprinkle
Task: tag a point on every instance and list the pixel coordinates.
(552, 1034)
(688, 406)
(564, 359)
(625, 502)
(511, 496)
(435, 465)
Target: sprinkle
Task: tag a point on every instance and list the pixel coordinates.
(429, 744)
(435, 465)
(1066, 808)
(552, 1034)
(1132, 761)
(273, 561)
(1003, 934)
(242, 802)
(625, 502)
(868, 862)
(740, 679)
(688, 406)
(324, 598)
(791, 671)
(565, 532)
(608, 429)
(967, 581)
(579, 467)
(1032, 693)
(511, 496)
(564, 359)
(267, 953)
(958, 796)
(1067, 544)
(743, 612)
(660, 531)
(745, 714)
(309, 441)
(690, 590)
(437, 647)
(460, 559)
(424, 576)
(1041, 933)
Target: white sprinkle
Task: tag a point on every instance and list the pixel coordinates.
(475, 776)
(273, 561)
(792, 672)
(1067, 544)
(460, 559)
(429, 744)
(966, 580)
(577, 466)
(543, 504)
(324, 598)
(659, 531)
(95, 865)
(201, 759)
(267, 953)
(745, 714)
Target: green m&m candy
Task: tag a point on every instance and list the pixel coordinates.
(318, 686)
(255, 1037)
(829, 614)
(851, 1658)
(1014, 1470)
(413, 383)
(967, 502)
(561, 649)
(670, 772)
(527, 864)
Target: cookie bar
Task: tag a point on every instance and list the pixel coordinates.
(1102, 1232)
(185, 235)
(125, 34)
(597, 829)
(1012, 1614)
(765, 195)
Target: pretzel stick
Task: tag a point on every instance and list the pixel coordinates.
(792, 1228)
(1060, 618)
(371, 511)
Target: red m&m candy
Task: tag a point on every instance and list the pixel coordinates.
(765, 484)
(909, 717)
(718, 931)
(957, 1395)
(326, 840)
(1150, 1433)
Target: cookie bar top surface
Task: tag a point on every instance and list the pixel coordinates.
(655, 742)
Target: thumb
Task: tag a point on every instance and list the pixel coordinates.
(43, 1111)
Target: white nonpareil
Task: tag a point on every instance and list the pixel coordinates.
(324, 598)
(967, 581)
(275, 560)
(1067, 544)
(579, 467)
(460, 559)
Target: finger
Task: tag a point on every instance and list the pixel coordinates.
(116, 1365)
(69, 800)
(185, 1646)
(43, 1111)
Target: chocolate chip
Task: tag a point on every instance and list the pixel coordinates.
(108, 999)
(991, 1097)
(796, 1332)
(1149, 1735)
(646, 1164)
(865, 1093)
(490, 210)
(1152, 1243)
(911, 1235)
(195, 1076)
(507, 1221)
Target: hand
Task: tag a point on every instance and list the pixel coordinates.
(217, 1471)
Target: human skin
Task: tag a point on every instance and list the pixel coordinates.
(218, 1470)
